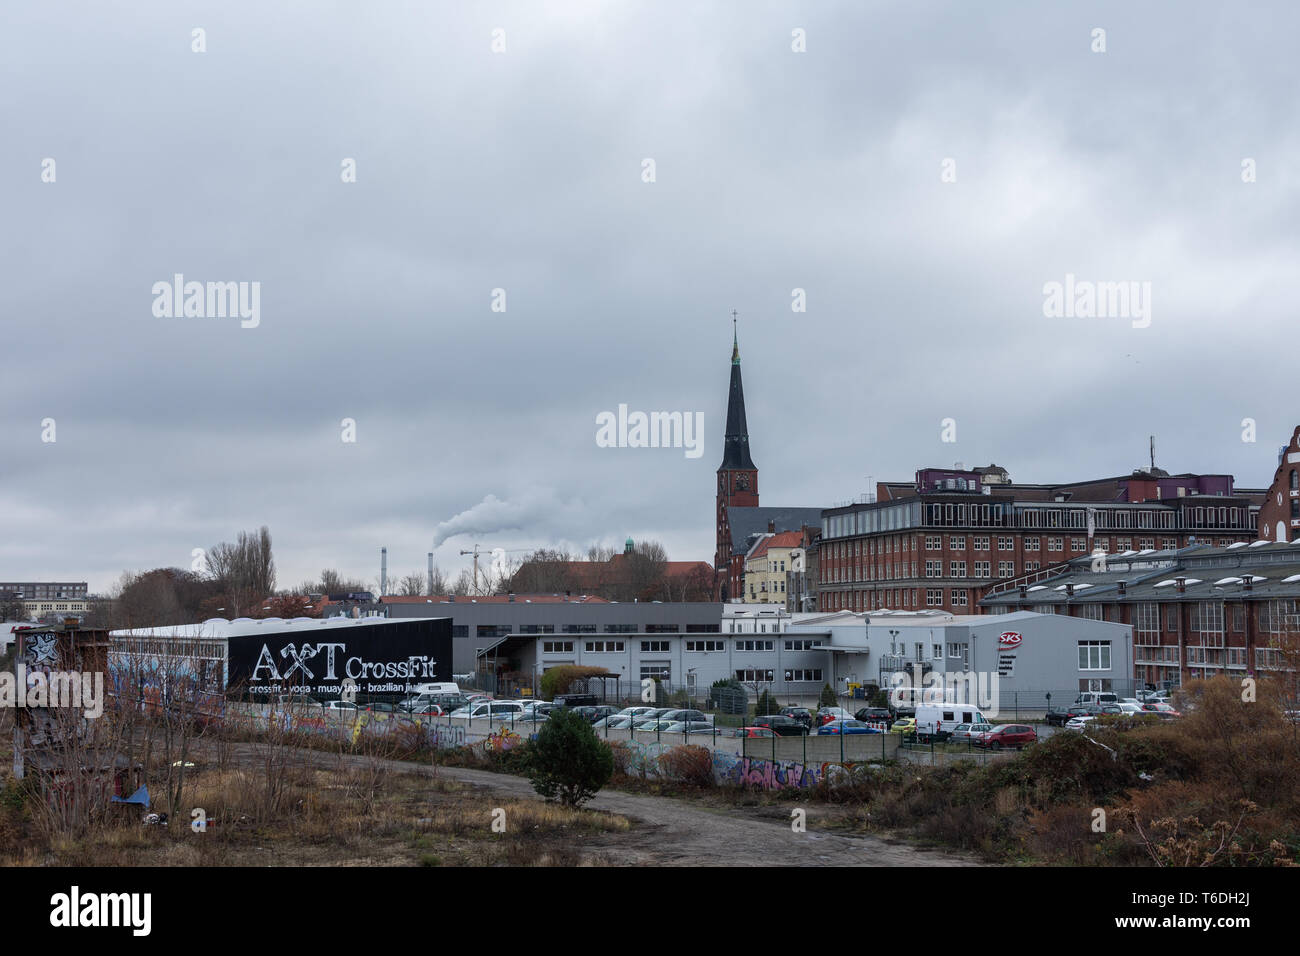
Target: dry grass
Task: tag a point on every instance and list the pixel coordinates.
(345, 816)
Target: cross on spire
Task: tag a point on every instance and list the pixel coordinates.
(735, 341)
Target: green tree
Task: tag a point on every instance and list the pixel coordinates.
(767, 704)
(569, 762)
(827, 698)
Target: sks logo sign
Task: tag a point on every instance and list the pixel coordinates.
(1009, 639)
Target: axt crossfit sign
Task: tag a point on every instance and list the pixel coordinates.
(378, 663)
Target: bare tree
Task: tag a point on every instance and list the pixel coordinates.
(412, 585)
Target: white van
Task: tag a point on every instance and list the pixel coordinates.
(428, 690)
(1097, 697)
(943, 717)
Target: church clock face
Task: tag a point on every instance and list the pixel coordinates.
(742, 482)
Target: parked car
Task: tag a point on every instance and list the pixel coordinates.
(651, 725)
(1005, 736)
(687, 727)
(753, 732)
(1059, 718)
(1133, 708)
(1160, 707)
(965, 733)
(801, 714)
(881, 715)
(594, 714)
(340, 705)
(1080, 722)
(576, 700)
(685, 714)
(846, 727)
(1097, 697)
(904, 725)
(827, 714)
(491, 710)
(636, 712)
(781, 725)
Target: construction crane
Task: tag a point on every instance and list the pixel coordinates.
(475, 553)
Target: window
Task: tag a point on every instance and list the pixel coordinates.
(936, 652)
(747, 645)
(982, 569)
(934, 542)
(662, 628)
(959, 597)
(1006, 569)
(493, 630)
(1146, 544)
(537, 629)
(1147, 620)
(576, 629)
(934, 569)
(620, 628)
(956, 569)
(801, 644)
(1031, 566)
(603, 647)
(1123, 544)
(1090, 612)
(754, 675)
(1055, 544)
(1078, 544)
(804, 674)
(654, 647)
(934, 597)
(957, 542)
(980, 542)
(1031, 543)
(557, 647)
(655, 670)
(1094, 655)
(1006, 542)
(701, 647)
(702, 628)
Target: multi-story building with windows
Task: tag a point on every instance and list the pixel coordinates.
(767, 566)
(1196, 612)
(940, 541)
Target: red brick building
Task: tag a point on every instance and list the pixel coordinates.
(1279, 517)
(939, 541)
(1198, 612)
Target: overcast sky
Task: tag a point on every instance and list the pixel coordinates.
(522, 170)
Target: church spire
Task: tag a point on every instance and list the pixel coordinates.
(735, 455)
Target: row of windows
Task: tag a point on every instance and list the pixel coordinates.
(504, 630)
(663, 647)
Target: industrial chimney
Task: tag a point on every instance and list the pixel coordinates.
(383, 572)
(429, 589)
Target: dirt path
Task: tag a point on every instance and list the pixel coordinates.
(677, 832)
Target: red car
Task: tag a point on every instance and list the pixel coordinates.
(1006, 735)
(754, 732)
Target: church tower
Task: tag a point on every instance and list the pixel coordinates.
(737, 475)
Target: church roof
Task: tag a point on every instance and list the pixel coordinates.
(747, 522)
(735, 452)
